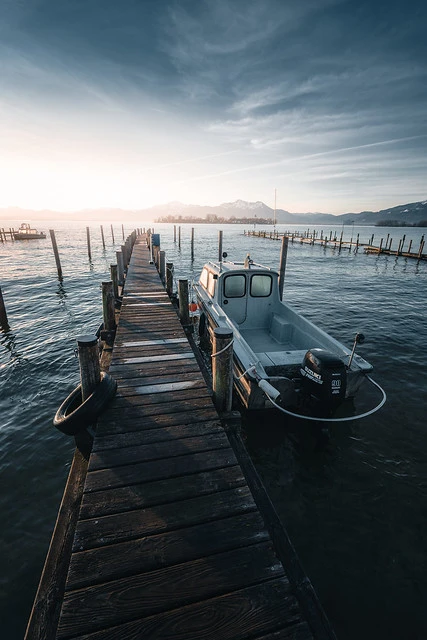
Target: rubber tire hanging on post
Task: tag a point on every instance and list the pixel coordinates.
(74, 415)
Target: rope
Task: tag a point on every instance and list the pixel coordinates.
(348, 419)
(214, 355)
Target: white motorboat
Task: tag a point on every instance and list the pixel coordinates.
(25, 232)
(280, 358)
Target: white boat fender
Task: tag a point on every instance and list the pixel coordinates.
(268, 389)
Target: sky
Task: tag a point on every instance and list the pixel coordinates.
(139, 102)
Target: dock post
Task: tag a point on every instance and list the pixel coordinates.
(162, 265)
(410, 246)
(125, 256)
(381, 246)
(120, 268)
(174, 232)
(179, 237)
(102, 237)
(184, 314)
(220, 246)
(421, 248)
(123, 233)
(169, 278)
(222, 369)
(88, 244)
(112, 233)
(108, 312)
(90, 376)
(192, 244)
(55, 253)
(114, 280)
(283, 257)
(4, 324)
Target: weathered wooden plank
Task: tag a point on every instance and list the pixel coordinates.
(159, 469)
(122, 424)
(164, 391)
(122, 600)
(147, 436)
(197, 399)
(154, 552)
(240, 615)
(139, 496)
(152, 378)
(171, 369)
(115, 528)
(108, 459)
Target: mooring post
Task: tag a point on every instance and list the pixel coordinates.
(381, 246)
(120, 268)
(220, 246)
(357, 243)
(108, 312)
(123, 233)
(3, 315)
(184, 313)
(192, 244)
(403, 242)
(174, 232)
(125, 256)
(162, 265)
(420, 250)
(169, 278)
(222, 369)
(112, 233)
(410, 246)
(179, 237)
(340, 241)
(114, 280)
(90, 376)
(88, 244)
(55, 253)
(283, 257)
(102, 236)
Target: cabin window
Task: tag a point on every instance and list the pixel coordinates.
(211, 284)
(204, 278)
(234, 286)
(261, 286)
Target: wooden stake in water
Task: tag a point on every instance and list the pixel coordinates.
(222, 369)
(184, 314)
(4, 324)
(102, 236)
(120, 268)
(162, 265)
(123, 232)
(169, 278)
(108, 312)
(174, 232)
(179, 237)
(114, 280)
(220, 246)
(112, 233)
(88, 244)
(90, 370)
(283, 257)
(55, 253)
(192, 244)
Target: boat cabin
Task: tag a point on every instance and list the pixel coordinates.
(247, 292)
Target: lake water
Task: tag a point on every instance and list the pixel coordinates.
(355, 506)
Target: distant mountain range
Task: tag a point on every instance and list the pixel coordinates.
(412, 213)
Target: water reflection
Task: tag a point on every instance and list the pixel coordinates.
(8, 341)
(61, 293)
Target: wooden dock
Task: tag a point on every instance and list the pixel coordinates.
(170, 541)
(332, 241)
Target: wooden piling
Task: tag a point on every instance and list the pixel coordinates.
(123, 233)
(282, 268)
(90, 370)
(184, 314)
(4, 324)
(220, 246)
(108, 309)
(88, 244)
(55, 253)
(120, 268)
(102, 237)
(125, 257)
(222, 369)
(169, 278)
(179, 237)
(192, 244)
(112, 233)
(114, 280)
(174, 232)
(162, 265)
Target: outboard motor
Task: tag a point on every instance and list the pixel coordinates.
(324, 380)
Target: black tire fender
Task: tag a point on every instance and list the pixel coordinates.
(74, 415)
(202, 326)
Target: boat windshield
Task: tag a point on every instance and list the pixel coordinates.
(261, 286)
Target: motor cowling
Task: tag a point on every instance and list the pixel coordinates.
(324, 380)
